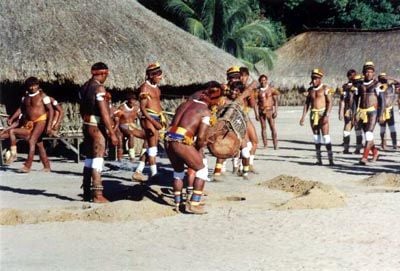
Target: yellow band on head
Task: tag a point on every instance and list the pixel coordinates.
(317, 73)
(233, 69)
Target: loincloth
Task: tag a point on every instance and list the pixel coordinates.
(316, 114)
(179, 134)
(91, 120)
(363, 113)
(387, 113)
(129, 126)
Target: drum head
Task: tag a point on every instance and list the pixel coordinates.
(225, 145)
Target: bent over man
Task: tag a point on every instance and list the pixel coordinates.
(184, 140)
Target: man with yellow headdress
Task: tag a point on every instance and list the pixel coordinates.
(388, 100)
(320, 100)
(367, 100)
(152, 119)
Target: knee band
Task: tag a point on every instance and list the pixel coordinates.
(369, 136)
(327, 139)
(392, 128)
(144, 150)
(346, 133)
(249, 145)
(205, 162)
(131, 152)
(317, 139)
(152, 151)
(179, 175)
(97, 164)
(246, 152)
(88, 163)
(202, 173)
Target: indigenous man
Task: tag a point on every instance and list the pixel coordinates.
(367, 112)
(183, 140)
(249, 102)
(320, 100)
(125, 118)
(37, 118)
(347, 109)
(95, 111)
(152, 119)
(267, 101)
(388, 100)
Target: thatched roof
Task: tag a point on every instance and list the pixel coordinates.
(335, 52)
(59, 39)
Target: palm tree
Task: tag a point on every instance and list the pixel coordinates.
(231, 25)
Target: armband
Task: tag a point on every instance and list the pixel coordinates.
(55, 103)
(100, 96)
(205, 120)
(46, 100)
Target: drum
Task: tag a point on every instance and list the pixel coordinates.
(229, 131)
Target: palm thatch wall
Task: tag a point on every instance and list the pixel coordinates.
(59, 40)
(335, 52)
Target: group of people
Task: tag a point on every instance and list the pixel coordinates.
(217, 117)
(364, 102)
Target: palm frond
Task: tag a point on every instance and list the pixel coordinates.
(196, 28)
(180, 9)
(258, 28)
(208, 14)
(262, 55)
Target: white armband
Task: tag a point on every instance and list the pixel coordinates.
(55, 103)
(46, 100)
(205, 120)
(100, 96)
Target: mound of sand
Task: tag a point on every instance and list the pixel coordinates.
(308, 194)
(123, 210)
(383, 179)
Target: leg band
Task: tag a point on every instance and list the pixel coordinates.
(316, 139)
(369, 136)
(346, 133)
(327, 139)
(202, 173)
(152, 151)
(179, 175)
(131, 153)
(97, 164)
(246, 152)
(140, 167)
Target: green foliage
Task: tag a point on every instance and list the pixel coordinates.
(235, 26)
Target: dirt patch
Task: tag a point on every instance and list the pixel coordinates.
(116, 211)
(383, 179)
(308, 194)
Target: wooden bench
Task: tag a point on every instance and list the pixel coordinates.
(71, 141)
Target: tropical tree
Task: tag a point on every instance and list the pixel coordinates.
(235, 26)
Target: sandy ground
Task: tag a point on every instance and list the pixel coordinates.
(291, 216)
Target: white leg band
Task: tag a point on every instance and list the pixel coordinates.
(327, 139)
(98, 164)
(202, 173)
(316, 139)
(251, 162)
(346, 133)
(369, 136)
(246, 152)
(205, 162)
(88, 163)
(236, 162)
(152, 151)
(249, 145)
(131, 153)
(223, 169)
(179, 175)
(392, 129)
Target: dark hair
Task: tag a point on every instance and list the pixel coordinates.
(236, 84)
(244, 70)
(212, 84)
(31, 81)
(350, 72)
(262, 76)
(131, 95)
(99, 66)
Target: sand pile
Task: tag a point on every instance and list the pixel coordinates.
(308, 194)
(383, 179)
(123, 210)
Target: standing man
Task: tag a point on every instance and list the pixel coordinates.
(367, 112)
(152, 117)
(347, 109)
(267, 102)
(388, 100)
(184, 140)
(320, 100)
(95, 111)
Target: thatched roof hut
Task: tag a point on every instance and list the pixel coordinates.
(335, 52)
(59, 40)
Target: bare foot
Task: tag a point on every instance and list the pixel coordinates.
(100, 199)
(24, 169)
(46, 169)
(195, 209)
(139, 177)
